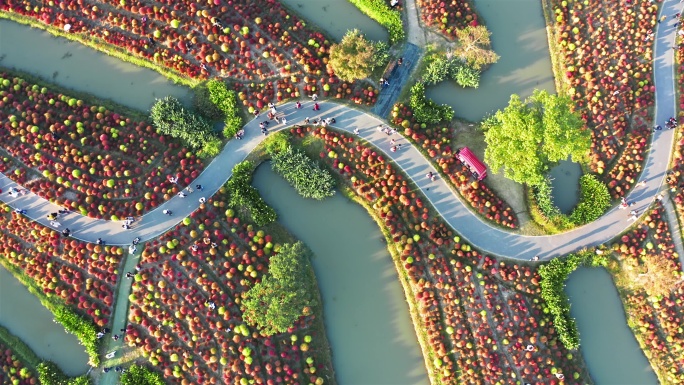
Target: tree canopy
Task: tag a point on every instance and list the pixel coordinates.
(354, 57)
(284, 294)
(474, 46)
(526, 137)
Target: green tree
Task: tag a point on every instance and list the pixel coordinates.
(526, 137)
(474, 46)
(354, 57)
(171, 118)
(284, 294)
(141, 375)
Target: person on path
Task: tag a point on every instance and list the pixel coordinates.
(256, 114)
(382, 82)
(202, 200)
(306, 120)
(284, 121)
(167, 212)
(182, 194)
(356, 131)
(20, 211)
(55, 224)
(316, 107)
(314, 97)
(199, 187)
(659, 197)
(298, 105)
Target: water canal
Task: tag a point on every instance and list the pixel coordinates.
(519, 38)
(366, 315)
(608, 345)
(24, 316)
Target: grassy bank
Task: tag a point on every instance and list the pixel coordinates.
(23, 351)
(554, 49)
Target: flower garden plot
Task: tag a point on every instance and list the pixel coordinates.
(86, 157)
(650, 265)
(82, 275)
(472, 313)
(13, 370)
(247, 42)
(606, 57)
(213, 256)
(446, 16)
(436, 145)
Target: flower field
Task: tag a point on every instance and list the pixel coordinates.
(95, 161)
(81, 275)
(13, 371)
(446, 16)
(214, 257)
(651, 289)
(605, 53)
(475, 315)
(436, 144)
(268, 53)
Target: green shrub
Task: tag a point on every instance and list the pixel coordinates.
(553, 277)
(84, 329)
(243, 194)
(544, 212)
(51, 374)
(437, 69)
(226, 101)
(594, 200)
(465, 75)
(210, 148)
(381, 55)
(427, 111)
(284, 294)
(171, 118)
(276, 142)
(141, 375)
(303, 174)
(389, 18)
(202, 103)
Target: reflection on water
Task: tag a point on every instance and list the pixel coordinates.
(609, 348)
(366, 315)
(24, 316)
(519, 38)
(75, 66)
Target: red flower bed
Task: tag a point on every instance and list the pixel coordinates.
(82, 275)
(86, 157)
(607, 58)
(447, 16)
(657, 321)
(215, 258)
(250, 42)
(436, 143)
(479, 314)
(13, 371)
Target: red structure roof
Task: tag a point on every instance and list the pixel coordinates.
(476, 167)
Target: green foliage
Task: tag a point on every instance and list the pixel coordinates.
(211, 148)
(51, 374)
(381, 56)
(84, 329)
(389, 18)
(171, 118)
(275, 143)
(526, 137)
(284, 294)
(225, 101)
(465, 75)
(437, 69)
(141, 375)
(594, 200)
(353, 58)
(547, 214)
(243, 194)
(202, 103)
(303, 173)
(553, 277)
(427, 111)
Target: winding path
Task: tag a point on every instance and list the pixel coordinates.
(447, 202)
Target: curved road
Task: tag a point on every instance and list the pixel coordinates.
(448, 203)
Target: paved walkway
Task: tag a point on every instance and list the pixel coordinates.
(389, 94)
(479, 233)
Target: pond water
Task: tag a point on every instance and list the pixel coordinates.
(519, 38)
(366, 315)
(610, 350)
(78, 67)
(565, 182)
(336, 17)
(24, 316)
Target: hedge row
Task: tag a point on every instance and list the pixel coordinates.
(389, 18)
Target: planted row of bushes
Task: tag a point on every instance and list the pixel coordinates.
(84, 329)
(426, 110)
(225, 101)
(141, 375)
(594, 200)
(302, 173)
(553, 277)
(243, 194)
(439, 68)
(50, 374)
(171, 118)
(379, 11)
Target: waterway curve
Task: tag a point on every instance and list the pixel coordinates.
(447, 202)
